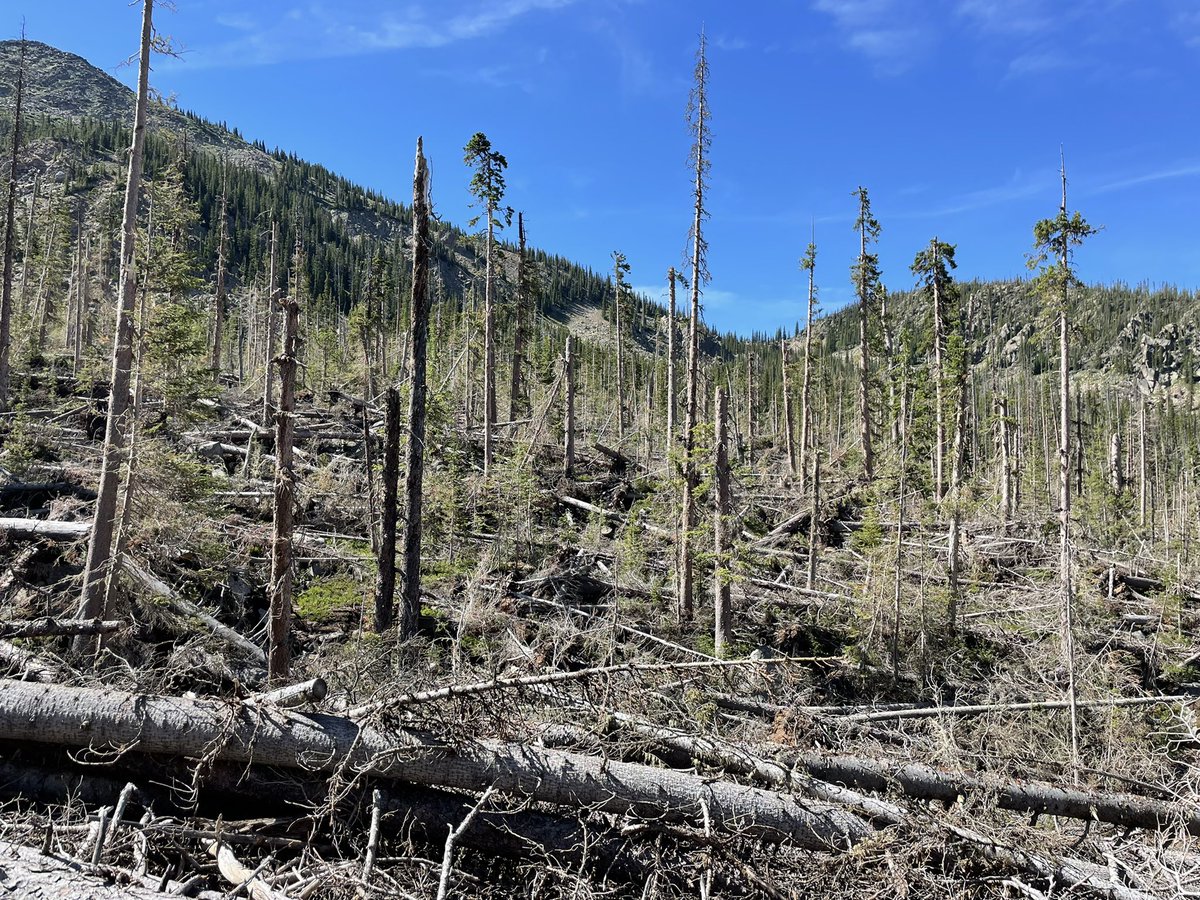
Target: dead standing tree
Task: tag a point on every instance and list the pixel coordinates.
(91, 601)
(219, 295)
(698, 115)
(410, 606)
(722, 614)
(279, 657)
(385, 584)
(10, 236)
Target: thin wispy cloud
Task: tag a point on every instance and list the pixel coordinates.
(892, 34)
(320, 29)
(1120, 183)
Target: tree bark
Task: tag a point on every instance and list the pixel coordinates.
(569, 415)
(926, 783)
(414, 469)
(91, 601)
(280, 625)
(268, 407)
(789, 427)
(218, 729)
(489, 345)
(10, 236)
(515, 402)
(385, 585)
(722, 613)
(219, 296)
(672, 354)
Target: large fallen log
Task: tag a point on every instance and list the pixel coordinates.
(421, 814)
(927, 783)
(50, 627)
(212, 729)
(41, 528)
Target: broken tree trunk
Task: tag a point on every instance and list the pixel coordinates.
(280, 627)
(410, 602)
(99, 558)
(218, 729)
(49, 627)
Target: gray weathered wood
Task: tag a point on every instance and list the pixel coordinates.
(73, 716)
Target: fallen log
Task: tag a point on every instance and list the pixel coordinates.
(32, 668)
(611, 514)
(49, 627)
(159, 588)
(28, 873)
(212, 729)
(41, 528)
(421, 814)
(927, 783)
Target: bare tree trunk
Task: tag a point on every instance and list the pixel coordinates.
(864, 363)
(1006, 494)
(1067, 598)
(10, 236)
(814, 522)
(279, 657)
(23, 301)
(51, 714)
(268, 409)
(95, 573)
(698, 115)
(939, 376)
(750, 408)
(690, 476)
(789, 429)
(1143, 483)
(385, 586)
(129, 487)
(1116, 469)
(806, 379)
(722, 613)
(489, 347)
(515, 404)
(621, 405)
(569, 415)
(414, 471)
(219, 296)
(672, 353)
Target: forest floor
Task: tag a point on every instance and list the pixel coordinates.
(553, 731)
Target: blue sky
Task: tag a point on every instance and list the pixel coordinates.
(950, 112)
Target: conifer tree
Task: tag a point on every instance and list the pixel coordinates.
(487, 187)
(1055, 241)
(865, 274)
(932, 267)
